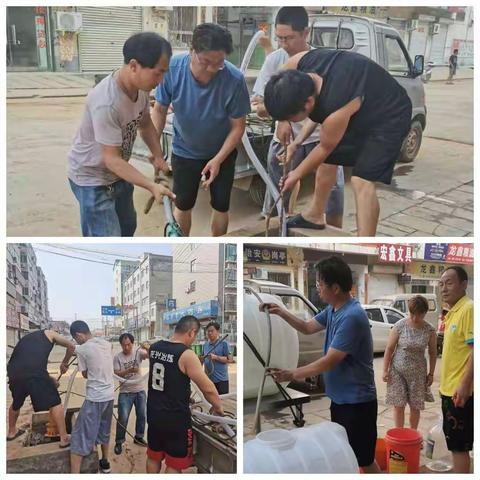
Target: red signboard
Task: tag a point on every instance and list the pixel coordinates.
(392, 253)
(460, 253)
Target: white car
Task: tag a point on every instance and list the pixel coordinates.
(382, 319)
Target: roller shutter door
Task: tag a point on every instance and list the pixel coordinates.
(437, 53)
(103, 34)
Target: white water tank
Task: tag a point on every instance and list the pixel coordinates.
(321, 448)
(284, 344)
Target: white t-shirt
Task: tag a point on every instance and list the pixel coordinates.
(95, 356)
(272, 65)
(110, 118)
(122, 362)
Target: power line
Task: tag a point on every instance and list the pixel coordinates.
(71, 256)
(112, 264)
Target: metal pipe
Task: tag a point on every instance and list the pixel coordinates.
(256, 422)
(271, 187)
(69, 389)
(214, 418)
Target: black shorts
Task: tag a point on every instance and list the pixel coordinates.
(458, 425)
(373, 157)
(174, 443)
(187, 174)
(222, 387)
(41, 389)
(360, 422)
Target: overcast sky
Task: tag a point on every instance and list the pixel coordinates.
(79, 287)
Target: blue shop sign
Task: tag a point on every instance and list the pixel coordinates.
(436, 251)
(202, 311)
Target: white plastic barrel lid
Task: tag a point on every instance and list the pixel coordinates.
(277, 438)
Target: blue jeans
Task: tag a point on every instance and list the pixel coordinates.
(106, 211)
(125, 404)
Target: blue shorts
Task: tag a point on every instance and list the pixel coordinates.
(92, 427)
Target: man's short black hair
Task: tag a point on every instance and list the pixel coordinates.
(215, 325)
(146, 48)
(287, 92)
(456, 50)
(78, 326)
(210, 36)
(333, 270)
(123, 336)
(187, 323)
(295, 17)
(461, 273)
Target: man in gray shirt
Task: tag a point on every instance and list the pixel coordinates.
(94, 420)
(99, 173)
(126, 364)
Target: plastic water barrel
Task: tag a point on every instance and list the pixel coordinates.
(284, 344)
(321, 448)
(403, 450)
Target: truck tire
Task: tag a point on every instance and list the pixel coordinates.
(257, 190)
(411, 144)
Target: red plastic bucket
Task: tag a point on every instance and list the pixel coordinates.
(403, 447)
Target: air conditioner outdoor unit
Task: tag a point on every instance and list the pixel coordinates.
(436, 29)
(69, 21)
(413, 24)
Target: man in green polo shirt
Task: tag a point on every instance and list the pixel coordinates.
(456, 380)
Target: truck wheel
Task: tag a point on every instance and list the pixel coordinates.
(411, 144)
(257, 190)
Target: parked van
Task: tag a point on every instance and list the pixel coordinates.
(400, 302)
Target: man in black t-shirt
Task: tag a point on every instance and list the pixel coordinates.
(363, 114)
(172, 365)
(28, 377)
(452, 66)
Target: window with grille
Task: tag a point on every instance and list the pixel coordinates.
(182, 22)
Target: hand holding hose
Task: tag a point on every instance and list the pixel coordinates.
(159, 189)
(272, 308)
(280, 375)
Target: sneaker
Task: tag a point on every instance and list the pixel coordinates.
(140, 441)
(118, 449)
(104, 466)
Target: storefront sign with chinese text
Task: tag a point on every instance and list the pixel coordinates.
(436, 251)
(391, 253)
(460, 253)
(268, 255)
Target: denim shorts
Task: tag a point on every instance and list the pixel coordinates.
(106, 210)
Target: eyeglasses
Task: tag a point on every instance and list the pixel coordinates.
(206, 64)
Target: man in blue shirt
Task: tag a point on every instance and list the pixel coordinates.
(216, 362)
(210, 101)
(348, 361)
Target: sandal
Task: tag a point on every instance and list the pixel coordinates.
(297, 221)
(19, 432)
